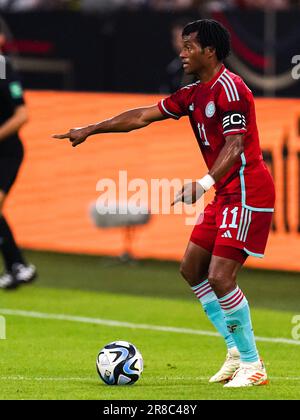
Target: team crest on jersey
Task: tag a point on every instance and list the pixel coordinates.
(210, 109)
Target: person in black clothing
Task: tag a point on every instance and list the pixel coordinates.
(13, 115)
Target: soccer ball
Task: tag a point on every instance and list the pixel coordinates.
(119, 363)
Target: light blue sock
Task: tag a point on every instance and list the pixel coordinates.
(212, 308)
(237, 313)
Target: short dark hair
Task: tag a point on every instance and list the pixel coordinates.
(210, 33)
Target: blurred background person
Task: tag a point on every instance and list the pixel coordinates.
(174, 77)
(261, 4)
(111, 5)
(13, 115)
(171, 4)
(28, 5)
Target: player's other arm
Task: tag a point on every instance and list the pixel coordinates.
(123, 123)
(229, 154)
(14, 123)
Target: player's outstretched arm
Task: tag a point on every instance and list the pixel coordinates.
(123, 123)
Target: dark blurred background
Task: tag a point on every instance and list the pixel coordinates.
(130, 45)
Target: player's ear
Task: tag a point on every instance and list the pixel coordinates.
(210, 51)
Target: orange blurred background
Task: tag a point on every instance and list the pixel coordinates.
(49, 206)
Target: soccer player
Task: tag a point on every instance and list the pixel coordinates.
(13, 115)
(237, 222)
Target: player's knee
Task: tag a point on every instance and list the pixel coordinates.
(183, 269)
(187, 271)
(191, 273)
(221, 283)
(215, 279)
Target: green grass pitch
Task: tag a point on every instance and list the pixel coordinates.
(48, 358)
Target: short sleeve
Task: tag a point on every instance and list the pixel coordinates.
(175, 106)
(233, 106)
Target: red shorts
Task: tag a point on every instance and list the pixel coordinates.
(232, 225)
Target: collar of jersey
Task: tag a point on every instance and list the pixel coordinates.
(216, 76)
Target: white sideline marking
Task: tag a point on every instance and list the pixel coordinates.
(45, 379)
(112, 323)
(88, 379)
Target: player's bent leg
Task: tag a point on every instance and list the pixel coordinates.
(194, 268)
(195, 264)
(228, 282)
(222, 277)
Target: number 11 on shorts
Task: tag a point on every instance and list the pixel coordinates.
(233, 223)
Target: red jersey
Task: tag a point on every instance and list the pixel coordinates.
(221, 107)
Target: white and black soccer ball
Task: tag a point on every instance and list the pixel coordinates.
(119, 363)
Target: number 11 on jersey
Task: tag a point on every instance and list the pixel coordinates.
(202, 134)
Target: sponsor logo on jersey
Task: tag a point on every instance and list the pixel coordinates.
(210, 109)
